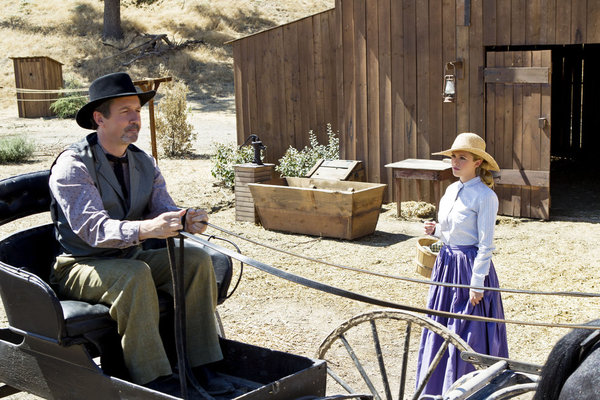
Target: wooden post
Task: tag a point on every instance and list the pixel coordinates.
(152, 84)
(245, 174)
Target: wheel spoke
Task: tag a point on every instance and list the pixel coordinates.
(434, 363)
(382, 370)
(340, 381)
(404, 360)
(359, 367)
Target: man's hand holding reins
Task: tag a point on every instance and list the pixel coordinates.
(195, 221)
(165, 225)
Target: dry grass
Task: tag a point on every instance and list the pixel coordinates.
(70, 31)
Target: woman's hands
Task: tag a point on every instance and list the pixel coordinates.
(475, 297)
(429, 227)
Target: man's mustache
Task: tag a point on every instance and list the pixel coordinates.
(132, 127)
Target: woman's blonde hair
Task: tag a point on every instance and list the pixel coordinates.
(484, 173)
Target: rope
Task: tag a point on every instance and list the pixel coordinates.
(50, 99)
(371, 300)
(403, 278)
(52, 91)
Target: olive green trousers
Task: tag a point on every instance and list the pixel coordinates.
(128, 286)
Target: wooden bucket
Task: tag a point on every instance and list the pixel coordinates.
(425, 258)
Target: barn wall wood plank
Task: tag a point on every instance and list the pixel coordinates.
(533, 26)
(518, 137)
(548, 21)
(506, 151)
(449, 129)
(491, 22)
(518, 22)
(463, 84)
(436, 71)
(238, 82)
(503, 23)
(373, 91)
(341, 100)
(279, 114)
(251, 90)
(385, 94)
(424, 115)
(477, 61)
(319, 79)
(360, 37)
(563, 21)
(349, 82)
(305, 60)
(398, 91)
(593, 22)
(291, 76)
(578, 21)
(410, 88)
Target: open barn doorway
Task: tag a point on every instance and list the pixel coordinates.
(575, 141)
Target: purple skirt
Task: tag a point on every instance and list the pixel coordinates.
(454, 264)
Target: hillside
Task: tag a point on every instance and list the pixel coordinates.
(69, 31)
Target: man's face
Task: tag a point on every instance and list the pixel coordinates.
(123, 124)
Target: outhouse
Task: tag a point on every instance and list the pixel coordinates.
(37, 74)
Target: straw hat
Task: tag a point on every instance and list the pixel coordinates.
(472, 143)
(108, 87)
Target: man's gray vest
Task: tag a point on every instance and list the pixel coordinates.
(141, 178)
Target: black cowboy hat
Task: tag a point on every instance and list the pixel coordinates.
(118, 84)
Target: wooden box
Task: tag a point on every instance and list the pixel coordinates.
(344, 170)
(320, 207)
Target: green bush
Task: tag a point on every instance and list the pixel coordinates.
(298, 163)
(173, 131)
(68, 105)
(226, 156)
(15, 149)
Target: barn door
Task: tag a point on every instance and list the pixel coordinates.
(518, 100)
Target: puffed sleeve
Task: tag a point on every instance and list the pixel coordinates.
(486, 221)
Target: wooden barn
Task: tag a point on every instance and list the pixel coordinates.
(523, 72)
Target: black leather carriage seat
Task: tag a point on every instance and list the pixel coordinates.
(33, 251)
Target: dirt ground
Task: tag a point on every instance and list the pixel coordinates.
(555, 255)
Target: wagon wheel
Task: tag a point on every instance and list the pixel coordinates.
(397, 330)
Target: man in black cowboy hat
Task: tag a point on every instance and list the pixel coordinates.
(108, 196)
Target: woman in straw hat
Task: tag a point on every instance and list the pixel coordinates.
(467, 215)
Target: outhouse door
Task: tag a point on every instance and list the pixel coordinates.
(517, 125)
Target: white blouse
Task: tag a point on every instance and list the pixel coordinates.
(467, 216)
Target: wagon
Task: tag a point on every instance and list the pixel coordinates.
(59, 348)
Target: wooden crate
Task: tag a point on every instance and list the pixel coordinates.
(319, 207)
(343, 170)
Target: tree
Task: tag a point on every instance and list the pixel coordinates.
(112, 20)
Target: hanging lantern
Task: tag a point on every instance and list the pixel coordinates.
(449, 93)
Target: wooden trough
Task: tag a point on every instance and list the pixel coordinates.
(320, 207)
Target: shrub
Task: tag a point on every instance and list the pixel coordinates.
(226, 156)
(15, 149)
(298, 163)
(173, 131)
(68, 104)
